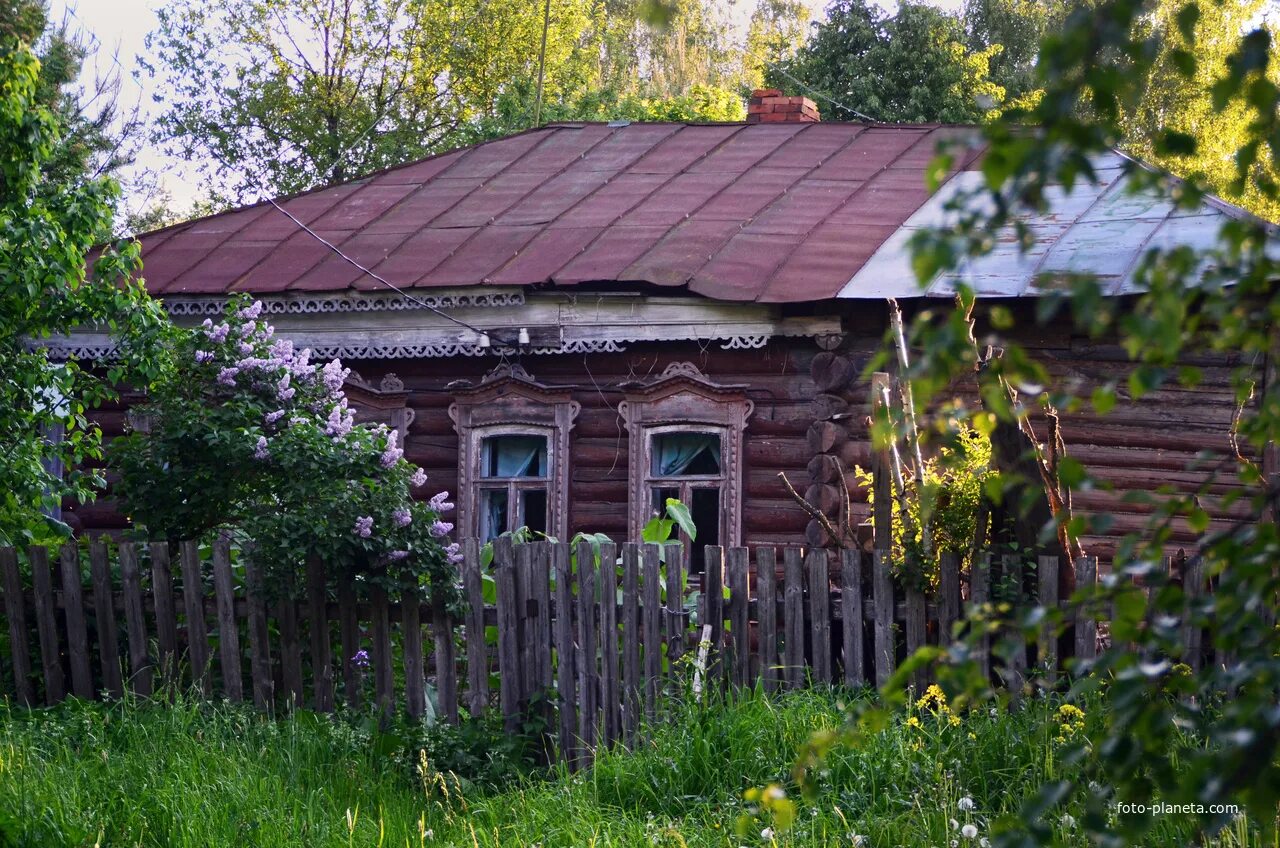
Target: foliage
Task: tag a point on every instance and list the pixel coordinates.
(183, 775)
(776, 31)
(241, 430)
(49, 221)
(912, 67)
(1221, 298)
(701, 103)
(951, 488)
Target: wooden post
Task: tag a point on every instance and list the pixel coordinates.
(1048, 649)
(104, 613)
(713, 606)
(882, 591)
(318, 631)
(384, 684)
(677, 623)
(588, 676)
(1016, 673)
(540, 581)
(55, 687)
(609, 643)
(527, 670)
(15, 612)
(291, 645)
(193, 608)
(767, 614)
(630, 640)
(415, 675)
(915, 630)
(135, 622)
(567, 701)
(793, 616)
(259, 639)
(739, 609)
(948, 596)
(1192, 587)
(77, 632)
(166, 617)
(477, 651)
(651, 624)
(349, 637)
(228, 628)
(446, 657)
(851, 616)
(820, 613)
(1086, 647)
(980, 595)
(881, 473)
(508, 639)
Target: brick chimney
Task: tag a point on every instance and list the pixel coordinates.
(769, 106)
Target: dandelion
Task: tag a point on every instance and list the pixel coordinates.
(260, 451)
(363, 526)
(913, 722)
(969, 832)
(361, 659)
(440, 529)
(767, 833)
(391, 454)
(857, 840)
(401, 517)
(418, 479)
(1068, 821)
(965, 804)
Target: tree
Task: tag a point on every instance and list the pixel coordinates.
(49, 222)
(913, 67)
(271, 97)
(776, 31)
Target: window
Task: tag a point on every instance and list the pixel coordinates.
(686, 443)
(513, 447)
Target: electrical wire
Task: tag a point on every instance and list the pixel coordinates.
(810, 89)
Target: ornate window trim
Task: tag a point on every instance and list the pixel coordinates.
(385, 404)
(684, 399)
(510, 402)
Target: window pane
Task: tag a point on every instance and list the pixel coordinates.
(684, 454)
(705, 510)
(493, 513)
(533, 509)
(660, 496)
(513, 456)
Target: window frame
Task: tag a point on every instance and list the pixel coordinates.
(511, 485)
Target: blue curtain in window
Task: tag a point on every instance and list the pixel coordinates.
(675, 452)
(517, 456)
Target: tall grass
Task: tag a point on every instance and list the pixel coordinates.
(184, 774)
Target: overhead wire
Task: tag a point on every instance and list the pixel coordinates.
(810, 89)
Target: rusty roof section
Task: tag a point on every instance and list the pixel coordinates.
(772, 213)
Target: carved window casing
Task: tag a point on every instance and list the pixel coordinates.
(686, 436)
(513, 455)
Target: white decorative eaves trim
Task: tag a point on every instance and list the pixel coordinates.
(327, 305)
(61, 350)
(745, 343)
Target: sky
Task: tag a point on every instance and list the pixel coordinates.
(121, 27)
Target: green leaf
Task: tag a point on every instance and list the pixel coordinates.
(679, 513)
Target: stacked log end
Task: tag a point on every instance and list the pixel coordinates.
(833, 439)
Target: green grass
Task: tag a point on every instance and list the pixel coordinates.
(190, 775)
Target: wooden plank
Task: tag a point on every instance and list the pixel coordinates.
(77, 631)
(793, 616)
(948, 596)
(228, 627)
(504, 575)
(384, 683)
(816, 564)
(318, 633)
(739, 615)
(193, 609)
(415, 676)
(1192, 588)
(104, 613)
(914, 630)
(881, 474)
(588, 676)
(528, 671)
(767, 615)
(567, 698)
(713, 607)
(349, 636)
(16, 614)
(259, 640)
(677, 619)
(540, 581)
(979, 596)
(630, 640)
(882, 593)
(290, 645)
(55, 687)
(446, 656)
(1047, 649)
(166, 616)
(609, 690)
(1016, 673)
(141, 668)
(477, 649)
(651, 622)
(851, 616)
(1086, 647)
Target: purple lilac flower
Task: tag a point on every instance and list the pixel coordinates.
(401, 517)
(282, 349)
(395, 556)
(252, 311)
(361, 659)
(283, 390)
(440, 503)
(333, 375)
(227, 376)
(440, 529)
(273, 417)
(392, 454)
(363, 527)
(207, 323)
(204, 356)
(245, 348)
(419, 478)
(246, 330)
(218, 333)
(260, 451)
(454, 552)
(340, 421)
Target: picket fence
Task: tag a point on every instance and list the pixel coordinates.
(590, 643)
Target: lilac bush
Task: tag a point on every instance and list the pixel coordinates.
(242, 430)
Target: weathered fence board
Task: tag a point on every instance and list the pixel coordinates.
(652, 627)
(793, 616)
(193, 608)
(851, 617)
(166, 617)
(16, 614)
(47, 627)
(104, 616)
(77, 632)
(767, 612)
(567, 700)
(140, 666)
(229, 627)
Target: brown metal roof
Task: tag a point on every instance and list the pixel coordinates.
(763, 212)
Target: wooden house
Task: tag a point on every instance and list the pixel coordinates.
(573, 323)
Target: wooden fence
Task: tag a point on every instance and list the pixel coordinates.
(590, 643)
